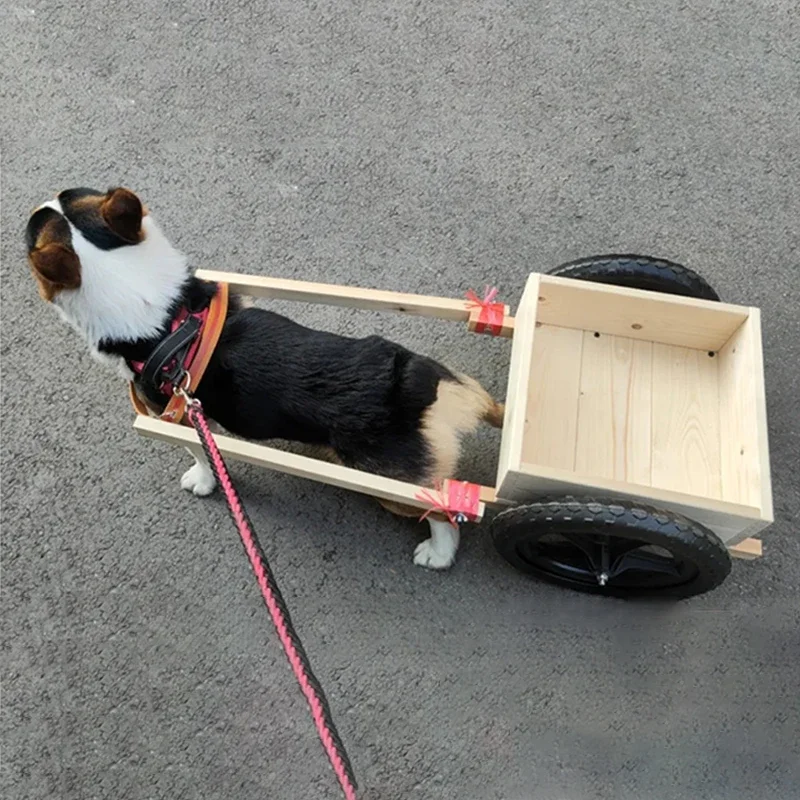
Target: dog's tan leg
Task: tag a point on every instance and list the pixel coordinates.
(458, 408)
(442, 424)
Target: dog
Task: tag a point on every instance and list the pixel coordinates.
(102, 262)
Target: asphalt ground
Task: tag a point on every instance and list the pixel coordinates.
(422, 147)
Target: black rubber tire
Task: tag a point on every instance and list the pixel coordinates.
(687, 540)
(638, 272)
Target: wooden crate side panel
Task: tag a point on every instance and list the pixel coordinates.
(767, 511)
(615, 409)
(519, 375)
(730, 521)
(743, 418)
(686, 425)
(551, 421)
(650, 316)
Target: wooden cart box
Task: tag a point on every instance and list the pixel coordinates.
(619, 392)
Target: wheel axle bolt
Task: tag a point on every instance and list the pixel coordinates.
(602, 579)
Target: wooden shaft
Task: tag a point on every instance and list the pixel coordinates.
(350, 297)
(747, 550)
(291, 463)
(338, 295)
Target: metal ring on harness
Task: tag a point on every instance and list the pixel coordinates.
(181, 386)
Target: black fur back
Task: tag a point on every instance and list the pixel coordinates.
(270, 378)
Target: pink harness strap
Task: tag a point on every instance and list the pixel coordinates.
(182, 315)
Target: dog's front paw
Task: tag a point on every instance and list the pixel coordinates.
(426, 555)
(199, 480)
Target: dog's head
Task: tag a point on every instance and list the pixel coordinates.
(102, 261)
(107, 221)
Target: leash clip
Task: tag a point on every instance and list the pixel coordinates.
(181, 388)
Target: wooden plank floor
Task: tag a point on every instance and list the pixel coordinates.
(624, 409)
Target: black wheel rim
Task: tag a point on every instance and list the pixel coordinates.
(603, 560)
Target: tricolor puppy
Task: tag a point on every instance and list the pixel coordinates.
(103, 263)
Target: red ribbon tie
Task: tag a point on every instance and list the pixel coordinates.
(459, 501)
(491, 314)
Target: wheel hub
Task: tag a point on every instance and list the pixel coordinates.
(606, 561)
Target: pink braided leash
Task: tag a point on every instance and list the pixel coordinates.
(310, 686)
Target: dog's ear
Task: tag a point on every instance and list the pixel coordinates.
(122, 212)
(55, 267)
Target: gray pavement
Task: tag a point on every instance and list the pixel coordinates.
(428, 147)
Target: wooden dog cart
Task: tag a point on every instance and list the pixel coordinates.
(635, 436)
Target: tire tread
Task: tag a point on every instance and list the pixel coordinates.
(705, 547)
(628, 269)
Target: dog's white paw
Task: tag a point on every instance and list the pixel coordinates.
(438, 552)
(426, 555)
(199, 480)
